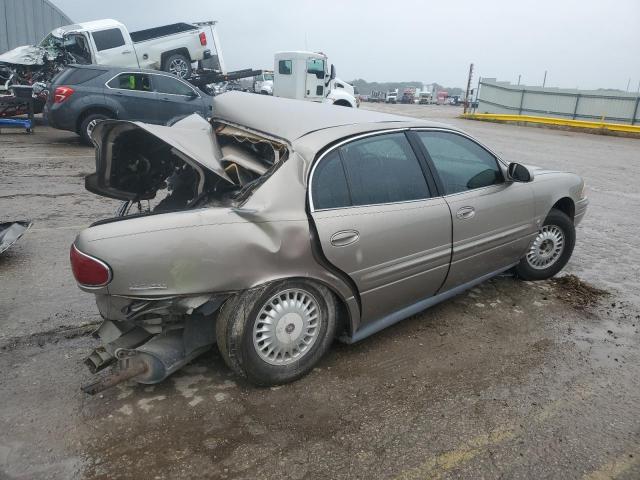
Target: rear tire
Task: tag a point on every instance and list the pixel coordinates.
(550, 251)
(178, 65)
(259, 330)
(88, 124)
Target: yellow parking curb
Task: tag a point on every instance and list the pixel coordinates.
(563, 122)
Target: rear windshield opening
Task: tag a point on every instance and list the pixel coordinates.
(152, 176)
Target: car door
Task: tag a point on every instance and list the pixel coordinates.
(493, 220)
(314, 83)
(175, 98)
(134, 95)
(112, 49)
(378, 221)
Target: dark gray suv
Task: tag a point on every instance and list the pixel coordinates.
(82, 95)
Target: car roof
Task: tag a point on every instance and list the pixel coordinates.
(116, 70)
(291, 120)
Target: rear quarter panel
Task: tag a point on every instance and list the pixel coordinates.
(212, 250)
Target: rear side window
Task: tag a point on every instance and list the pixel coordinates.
(106, 39)
(461, 163)
(173, 86)
(383, 169)
(329, 187)
(131, 81)
(371, 171)
(284, 67)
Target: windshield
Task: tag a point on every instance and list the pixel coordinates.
(268, 76)
(51, 41)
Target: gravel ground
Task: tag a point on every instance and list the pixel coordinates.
(510, 380)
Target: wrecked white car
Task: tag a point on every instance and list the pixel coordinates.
(285, 224)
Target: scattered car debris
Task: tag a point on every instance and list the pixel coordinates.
(10, 232)
(577, 293)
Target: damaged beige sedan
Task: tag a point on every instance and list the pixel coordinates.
(281, 225)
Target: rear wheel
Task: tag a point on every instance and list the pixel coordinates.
(277, 333)
(88, 124)
(550, 250)
(178, 65)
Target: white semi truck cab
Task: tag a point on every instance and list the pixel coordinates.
(308, 76)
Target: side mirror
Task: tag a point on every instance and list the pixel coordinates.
(519, 173)
(193, 95)
(333, 72)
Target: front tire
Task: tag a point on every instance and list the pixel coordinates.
(276, 333)
(550, 250)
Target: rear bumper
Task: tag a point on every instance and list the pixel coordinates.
(60, 118)
(581, 209)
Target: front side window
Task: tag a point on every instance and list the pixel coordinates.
(375, 170)
(461, 163)
(173, 86)
(131, 81)
(315, 66)
(106, 39)
(284, 67)
(383, 169)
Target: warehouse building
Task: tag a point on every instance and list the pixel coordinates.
(26, 22)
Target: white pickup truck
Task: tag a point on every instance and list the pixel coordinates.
(172, 48)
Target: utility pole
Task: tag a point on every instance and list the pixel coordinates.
(628, 84)
(466, 97)
(519, 76)
(544, 81)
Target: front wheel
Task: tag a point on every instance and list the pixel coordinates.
(276, 333)
(550, 250)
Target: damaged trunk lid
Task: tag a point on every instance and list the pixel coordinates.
(178, 166)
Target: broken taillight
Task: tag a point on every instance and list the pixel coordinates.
(87, 270)
(62, 93)
(203, 39)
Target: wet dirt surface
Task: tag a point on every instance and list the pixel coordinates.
(509, 380)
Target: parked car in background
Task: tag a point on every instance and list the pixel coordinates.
(425, 98)
(284, 224)
(81, 96)
(392, 96)
(263, 83)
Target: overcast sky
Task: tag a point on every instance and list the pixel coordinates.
(582, 43)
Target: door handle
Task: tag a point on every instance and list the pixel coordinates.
(344, 238)
(465, 213)
(126, 52)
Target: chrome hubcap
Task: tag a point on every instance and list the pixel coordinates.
(90, 126)
(546, 248)
(179, 67)
(287, 327)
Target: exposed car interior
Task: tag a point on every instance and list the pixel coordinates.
(153, 176)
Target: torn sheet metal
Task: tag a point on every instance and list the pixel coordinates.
(190, 139)
(10, 232)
